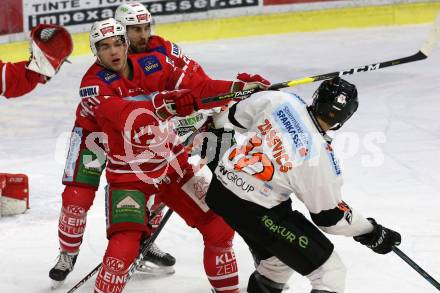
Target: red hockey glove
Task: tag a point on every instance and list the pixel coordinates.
(248, 82)
(50, 46)
(168, 104)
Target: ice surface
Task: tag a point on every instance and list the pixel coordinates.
(390, 151)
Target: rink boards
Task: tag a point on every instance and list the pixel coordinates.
(267, 24)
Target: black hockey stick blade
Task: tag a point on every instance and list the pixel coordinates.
(417, 268)
(424, 52)
(145, 247)
(85, 279)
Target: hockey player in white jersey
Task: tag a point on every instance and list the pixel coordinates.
(287, 152)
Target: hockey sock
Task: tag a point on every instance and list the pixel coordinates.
(73, 217)
(219, 258)
(122, 249)
(221, 269)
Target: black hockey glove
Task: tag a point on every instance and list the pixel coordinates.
(381, 240)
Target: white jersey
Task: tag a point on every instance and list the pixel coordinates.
(284, 153)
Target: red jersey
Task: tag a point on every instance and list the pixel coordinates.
(138, 144)
(173, 51)
(16, 80)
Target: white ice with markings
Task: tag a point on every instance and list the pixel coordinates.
(390, 151)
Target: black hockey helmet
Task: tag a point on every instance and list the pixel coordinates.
(335, 101)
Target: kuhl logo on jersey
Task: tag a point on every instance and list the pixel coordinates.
(108, 76)
(89, 91)
(150, 64)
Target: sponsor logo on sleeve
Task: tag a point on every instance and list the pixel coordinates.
(333, 160)
(348, 213)
(108, 76)
(150, 64)
(175, 50)
(89, 91)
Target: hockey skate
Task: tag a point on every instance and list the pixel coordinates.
(66, 262)
(156, 262)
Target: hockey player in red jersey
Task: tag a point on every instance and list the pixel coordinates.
(82, 179)
(111, 88)
(18, 79)
(138, 23)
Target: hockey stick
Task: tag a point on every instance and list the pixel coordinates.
(424, 52)
(417, 268)
(145, 247)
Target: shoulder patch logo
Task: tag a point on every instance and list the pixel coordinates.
(108, 76)
(128, 202)
(150, 64)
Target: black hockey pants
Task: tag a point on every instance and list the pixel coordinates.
(279, 231)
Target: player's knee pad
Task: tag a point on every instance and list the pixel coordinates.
(297, 242)
(73, 217)
(260, 284)
(330, 276)
(122, 249)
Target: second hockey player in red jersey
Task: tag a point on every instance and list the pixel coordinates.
(82, 179)
(145, 157)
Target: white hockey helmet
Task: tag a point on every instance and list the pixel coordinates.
(132, 14)
(105, 29)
